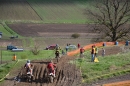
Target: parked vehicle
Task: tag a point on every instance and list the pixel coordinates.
(10, 47)
(72, 47)
(14, 48)
(0, 34)
(51, 47)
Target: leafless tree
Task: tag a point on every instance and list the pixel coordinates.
(113, 16)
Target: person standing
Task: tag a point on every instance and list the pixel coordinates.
(92, 53)
(78, 45)
(66, 48)
(103, 52)
(96, 51)
(63, 53)
(82, 51)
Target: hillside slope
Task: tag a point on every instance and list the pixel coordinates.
(49, 11)
(17, 10)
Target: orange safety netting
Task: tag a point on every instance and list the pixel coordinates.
(88, 47)
(122, 83)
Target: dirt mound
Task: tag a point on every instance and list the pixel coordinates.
(66, 74)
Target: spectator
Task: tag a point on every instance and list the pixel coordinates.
(78, 45)
(81, 51)
(96, 51)
(92, 53)
(103, 52)
(63, 53)
(66, 48)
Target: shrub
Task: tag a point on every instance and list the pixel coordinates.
(35, 50)
(75, 35)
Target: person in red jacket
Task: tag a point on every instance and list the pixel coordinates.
(51, 67)
(78, 45)
(81, 51)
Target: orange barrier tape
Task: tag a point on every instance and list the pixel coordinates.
(122, 83)
(87, 47)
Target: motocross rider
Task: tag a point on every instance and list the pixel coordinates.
(28, 67)
(51, 67)
(57, 53)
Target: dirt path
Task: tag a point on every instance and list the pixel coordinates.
(66, 74)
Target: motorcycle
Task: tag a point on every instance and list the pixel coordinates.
(51, 77)
(29, 76)
(57, 54)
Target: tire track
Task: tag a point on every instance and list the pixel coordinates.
(66, 74)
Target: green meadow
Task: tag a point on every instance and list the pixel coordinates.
(108, 66)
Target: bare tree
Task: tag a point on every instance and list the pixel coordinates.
(113, 16)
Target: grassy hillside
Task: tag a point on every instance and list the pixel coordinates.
(49, 11)
(60, 12)
(4, 31)
(108, 66)
(16, 10)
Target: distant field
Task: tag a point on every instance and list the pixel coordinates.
(55, 33)
(49, 11)
(62, 11)
(16, 10)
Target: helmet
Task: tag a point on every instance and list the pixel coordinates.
(28, 61)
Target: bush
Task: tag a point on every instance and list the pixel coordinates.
(35, 50)
(75, 35)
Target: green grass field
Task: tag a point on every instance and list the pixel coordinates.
(4, 31)
(58, 11)
(62, 11)
(22, 57)
(108, 66)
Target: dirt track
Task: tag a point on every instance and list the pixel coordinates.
(66, 74)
